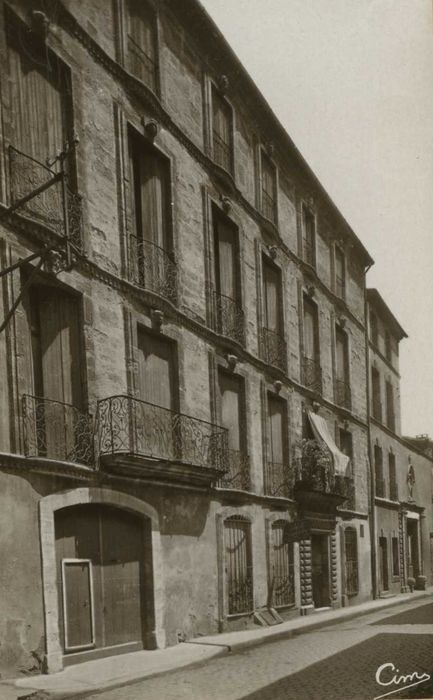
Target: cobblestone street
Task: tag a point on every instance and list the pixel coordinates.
(334, 663)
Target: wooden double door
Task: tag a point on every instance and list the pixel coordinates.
(101, 572)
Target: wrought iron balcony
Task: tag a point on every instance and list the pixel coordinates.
(229, 318)
(28, 174)
(343, 394)
(311, 374)
(279, 480)
(222, 152)
(153, 268)
(273, 348)
(131, 431)
(393, 491)
(237, 476)
(315, 473)
(380, 488)
(140, 64)
(352, 580)
(57, 430)
(240, 590)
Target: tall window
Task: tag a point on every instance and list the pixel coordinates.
(141, 42)
(238, 565)
(312, 375)
(342, 386)
(276, 467)
(222, 131)
(390, 415)
(273, 346)
(231, 407)
(151, 258)
(269, 188)
(351, 558)
(340, 272)
(374, 330)
(375, 394)
(388, 346)
(309, 236)
(346, 444)
(282, 567)
(228, 304)
(378, 472)
(393, 489)
(395, 557)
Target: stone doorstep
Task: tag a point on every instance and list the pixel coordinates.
(117, 671)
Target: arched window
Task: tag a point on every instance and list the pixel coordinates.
(282, 589)
(351, 556)
(238, 565)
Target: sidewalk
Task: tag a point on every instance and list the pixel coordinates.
(102, 674)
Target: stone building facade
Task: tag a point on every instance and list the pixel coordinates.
(402, 469)
(184, 440)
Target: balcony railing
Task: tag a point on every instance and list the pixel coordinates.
(312, 374)
(153, 268)
(279, 480)
(343, 394)
(140, 64)
(268, 206)
(229, 318)
(352, 579)
(274, 349)
(237, 475)
(316, 472)
(130, 426)
(222, 152)
(393, 491)
(57, 430)
(380, 488)
(46, 208)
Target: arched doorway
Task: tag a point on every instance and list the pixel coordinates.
(104, 580)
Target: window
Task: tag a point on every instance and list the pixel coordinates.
(228, 304)
(374, 330)
(309, 236)
(393, 489)
(342, 385)
(388, 346)
(222, 131)
(375, 394)
(346, 444)
(56, 426)
(390, 415)
(351, 559)
(311, 370)
(141, 54)
(231, 408)
(282, 587)
(276, 466)
(273, 345)
(378, 472)
(340, 281)
(395, 557)
(152, 262)
(269, 188)
(238, 566)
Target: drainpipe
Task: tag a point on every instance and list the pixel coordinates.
(371, 506)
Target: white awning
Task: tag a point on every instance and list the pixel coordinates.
(322, 434)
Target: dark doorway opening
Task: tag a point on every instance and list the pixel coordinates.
(383, 562)
(320, 570)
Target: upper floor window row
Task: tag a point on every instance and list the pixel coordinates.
(140, 49)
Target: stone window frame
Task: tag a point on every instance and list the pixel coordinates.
(267, 389)
(126, 122)
(120, 21)
(262, 149)
(286, 518)
(339, 246)
(209, 86)
(304, 291)
(341, 325)
(307, 204)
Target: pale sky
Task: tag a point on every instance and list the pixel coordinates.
(352, 83)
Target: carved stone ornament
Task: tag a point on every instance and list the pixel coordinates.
(270, 149)
(40, 24)
(315, 406)
(224, 83)
(151, 128)
(232, 361)
(55, 263)
(157, 317)
(311, 290)
(273, 251)
(226, 204)
(342, 322)
(278, 386)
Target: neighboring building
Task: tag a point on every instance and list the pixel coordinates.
(402, 467)
(184, 418)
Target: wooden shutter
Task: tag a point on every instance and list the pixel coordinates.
(276, 430)
(230, 407)
(153, 196)
(141, 42)
(310, 331)
(225, 259)
(271, 292)
(155, 358)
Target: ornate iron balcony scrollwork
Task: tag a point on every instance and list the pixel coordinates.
(57, 430)
(238, 474)
(283, 589)
(315, 470)
(153, 268)
(279, 480)
(352, 579)
(312, 374)
(229, 317)
(127, 425)
(343, 394)
(240, 593)
(273, 348)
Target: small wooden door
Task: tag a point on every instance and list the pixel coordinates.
(320, 570)
(383, 561)
(78, 604)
